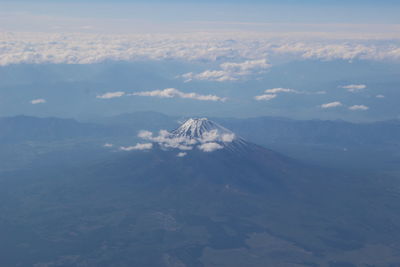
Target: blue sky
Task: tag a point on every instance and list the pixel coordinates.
(162, 16)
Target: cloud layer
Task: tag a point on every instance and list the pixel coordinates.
(243, 53)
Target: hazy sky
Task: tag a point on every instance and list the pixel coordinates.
(303, 59)
(172, 16)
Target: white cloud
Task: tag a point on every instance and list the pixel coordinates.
(354, 88)
(359, 107)
(210, 147)
(228, 138)
(172, 92)
(380, 96)
(280, 90)
(181, 154)
(265, 97)
(146, 146)
(85, 48)
(230, 71)
(332, 105)
(108, 145)
(38, 101)
(273, 93)
(111, 95)
(167, 140)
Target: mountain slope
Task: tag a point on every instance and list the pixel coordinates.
(225, 207)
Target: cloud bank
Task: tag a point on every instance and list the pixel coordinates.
(244, 53)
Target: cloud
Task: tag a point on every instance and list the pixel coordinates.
(111, 95)
(210, 147)
(206, 142)
(167, 140)
(38, 101)
(230, 71)
(249, 49)
(380, 96)
(265, 97)
(108, 145)
(227, 138)
(331, 105)
(172, 92)
(280, 90)
(273, 93)
(146, 146)
(359, 107)
(181, 154)
(354, 88)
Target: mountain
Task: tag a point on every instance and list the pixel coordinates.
(332, 144)
(200, 195)
(210, 135)
(27, 129)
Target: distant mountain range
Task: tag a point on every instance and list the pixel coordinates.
(337, 144)
(262, 130)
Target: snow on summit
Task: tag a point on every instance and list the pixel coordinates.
(204, 129)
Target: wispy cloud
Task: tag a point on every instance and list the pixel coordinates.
(274, 92)
(380, 96)
(38, 101)
(280, 90)
(111, 95)
(331, 105)
(146, 146)
(230, 71)
(265, 97)
(172, 92)
(359, 107)
(354, 88)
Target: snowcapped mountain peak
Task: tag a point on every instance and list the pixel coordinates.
(199, 133)
(200, 128)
